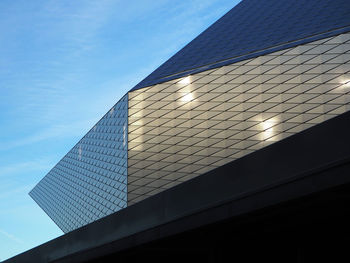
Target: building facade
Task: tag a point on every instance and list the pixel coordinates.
(263, 72)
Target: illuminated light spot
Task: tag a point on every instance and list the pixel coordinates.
(268, 134)
(139, 148)
(268, 130)
(124, 134)
(80, 151)
(138, 123)
(139, 114)
(185, 81)
(346, 83)
(188, 97)
(187, 89)
(344, 87)
(268, 124)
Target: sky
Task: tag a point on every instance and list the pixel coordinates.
(63, 64)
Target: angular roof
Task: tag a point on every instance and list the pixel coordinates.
(253, 28)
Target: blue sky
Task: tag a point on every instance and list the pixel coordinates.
(63, 64)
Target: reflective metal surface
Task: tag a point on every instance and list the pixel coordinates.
(90, 182)
(186, 127)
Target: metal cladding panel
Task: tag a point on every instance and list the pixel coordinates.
(90, 182)
(183, 128)
(266, 70)
(252, 26)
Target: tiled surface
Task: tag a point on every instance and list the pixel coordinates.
(90, 182)
(185, 127)
(181, 128)
(255, 25)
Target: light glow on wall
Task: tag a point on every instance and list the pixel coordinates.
(188, 97)
(346, 83)
(186, 80)
(267, 126)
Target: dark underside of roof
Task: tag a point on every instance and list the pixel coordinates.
(254, 28)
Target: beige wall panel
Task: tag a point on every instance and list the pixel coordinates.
(186, 127)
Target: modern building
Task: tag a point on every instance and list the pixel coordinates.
(263, 72)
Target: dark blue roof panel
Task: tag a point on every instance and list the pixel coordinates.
(253, 26)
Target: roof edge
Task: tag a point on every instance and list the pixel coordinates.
(253, 54)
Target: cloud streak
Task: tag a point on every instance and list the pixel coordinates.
(21, 190)
(53, 132)
(11, 237)
(35, 165)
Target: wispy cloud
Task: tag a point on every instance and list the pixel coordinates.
(42, 77)
(56, 131)
(77, 22)
(20, 190)
(11, 237)
(35, 165)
